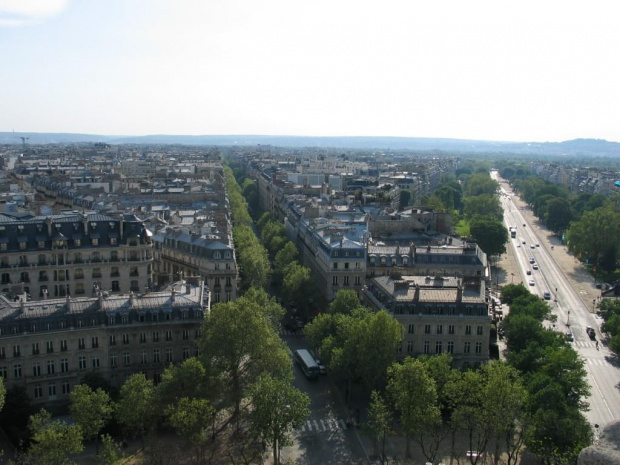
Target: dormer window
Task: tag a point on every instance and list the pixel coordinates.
(217, 255)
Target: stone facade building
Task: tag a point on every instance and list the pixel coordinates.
(438, 315)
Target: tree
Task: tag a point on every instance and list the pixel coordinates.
(186, 380)
(96, 380)
(239, 344)
(53, 440)
(480, 183)
(267, 304)
(299, 289)
(285, 256)
(595, 234)
(137, 408)
(490, 235)
(379, 421)
(111, 450)
(558, 215)
(277, 408)
(2, 393)
(510, 292)
(191, 419)
(483, 205)
(92, 410)
(15, 414)
(413, 394)
(346, 301)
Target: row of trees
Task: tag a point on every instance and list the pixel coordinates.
(473, 198)
(609, 309)
(589, 220)
(554, 378)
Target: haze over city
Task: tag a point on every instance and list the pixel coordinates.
(524, 71)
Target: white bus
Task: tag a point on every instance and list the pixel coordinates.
(307, 364)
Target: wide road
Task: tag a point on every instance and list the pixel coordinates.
(573, 315)
(325, 438)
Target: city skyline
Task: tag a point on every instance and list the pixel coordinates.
(477, 70)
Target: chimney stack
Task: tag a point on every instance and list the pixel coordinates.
(173, 294)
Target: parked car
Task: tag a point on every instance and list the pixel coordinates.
(532, 246)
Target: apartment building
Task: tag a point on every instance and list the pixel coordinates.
(181, 253)
(48, 346)
(73, 254)
(439, 315)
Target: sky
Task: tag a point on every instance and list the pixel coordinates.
(469, 69)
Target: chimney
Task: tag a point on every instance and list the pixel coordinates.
(459, 292)
(121, 228)
(48, 221)
(397, 248)
(100, 300)
(44, 291)
(416, 295)
(188, 288)
(132, 298)
(85, 223)
(173, 294)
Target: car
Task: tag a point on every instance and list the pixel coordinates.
(535, 266)
(532, 260)
(547, 295)
(528, 272)
(537, 245)
(591, 332)
(524, 242)
(322, 368)
(524, 225)
(569, 337)
(518, 245)
(531, 282)
(532, 246)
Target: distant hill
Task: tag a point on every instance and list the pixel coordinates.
(581, 147)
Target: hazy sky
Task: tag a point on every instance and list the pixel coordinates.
(538, 70)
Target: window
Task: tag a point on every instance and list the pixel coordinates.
(3, 372)
(38, 391)
(468, 330)
(479, 331)
(358, 281)
(95, 361)
(113, 359)
(198, 333)
(143, 360)
(410, 345)
(2, 352)
(410, 329)
(439, 329)
(185, 334)
(467, 348)
(451, 329)
(427, 329)
(63, 345)
(112, 339)
(78, 273)
(114, 273)
(126, 359)
(155, 336)
(133, 271)
(478, 347)
(335, 280)
(346, 280)
(51, 367)
(82, 363)
(142, 338)
(450, 347)
(36, 369)
(125, 319)
(43, 276)
(168, 335)
(17, 370)
(79, 288)
(169, 355)
(437, 347)
(427, 347)
(35, 349)
(50, 347)
(64, 365)
(125, 338)
(116, 286)
(66, 387)
(156, 355)
(185, 353)
(51, 389)
(81, 343)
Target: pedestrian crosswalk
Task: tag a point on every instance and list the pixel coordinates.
(584, 344)
(596, 362)
(288, 332)
(322, 425)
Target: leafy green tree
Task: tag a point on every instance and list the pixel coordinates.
(346, 301)
(250, 192)
(480, 183)
(483, 205)
(2, 393)
(53, 441)
(268, 305)
(277, 408)
(594, 234)
(558, 215)
(110, 453)
(137, 408)
(286, 255)
(239, 344)
(92, 410)
(96, 380)
(490, 235)
(188, 380)
(299, 289)
(191, 419)
(15, 414)
(510, 292)
(379, 421)
(414, 396)
(263, 220)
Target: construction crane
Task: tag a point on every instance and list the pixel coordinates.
(23, 138)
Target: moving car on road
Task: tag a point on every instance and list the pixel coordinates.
(531, 283)
(591, 332)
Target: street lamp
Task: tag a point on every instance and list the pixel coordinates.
(512, 278)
